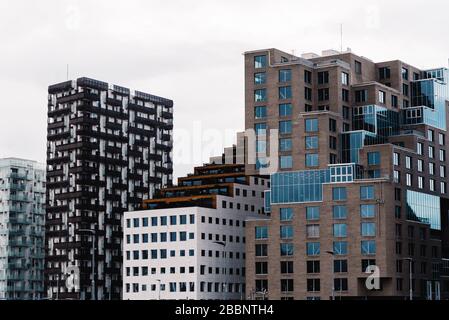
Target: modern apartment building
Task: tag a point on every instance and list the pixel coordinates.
(362, 177)
(22, 229)
(190, 242)
(109, 148)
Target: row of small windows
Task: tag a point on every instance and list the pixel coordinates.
(162, 221)
(187, 287)
(157, 254)
(172, 236)
(338, 212)
(223, 238)
(313, 285)
(312, 266)
(420, 165)
(367, 247)
(367, 229)
(224, 222)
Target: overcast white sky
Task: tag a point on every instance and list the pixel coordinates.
(189, 51)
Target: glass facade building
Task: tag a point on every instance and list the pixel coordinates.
(424, 208)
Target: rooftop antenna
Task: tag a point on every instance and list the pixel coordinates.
(341, 37)
(67, 72)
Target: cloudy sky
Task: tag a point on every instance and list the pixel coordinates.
(189, 51)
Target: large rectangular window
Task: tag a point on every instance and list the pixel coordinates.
(260, 112)
(260, 61)
(286, 162)
(313, 213)
(311, 142)
(260, 78)
(339, 194)
(367, 210)
(340, 230)
(260, 95)
(287, 249)
(323, 77)
(339, 212)
(261, 233)
(285, 109)
(286, 214)
(260, 128)
(286, 232)
(313, 248)
(373, 158)
(285, 93)
(340, 248)
(312, 160)
(311, 125)
(368, 247)
(285, 144)
(285, 127)
(368, 229)
(367, 192)
(285, 75)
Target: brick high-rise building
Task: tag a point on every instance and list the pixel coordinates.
(109, 148)
(362, 176)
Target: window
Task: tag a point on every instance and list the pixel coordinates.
(285, 75)
(443, 187)
(432, 185)
(431, 168)
(285, 109)
(286, 162)
(373, 158)
(323, 94)
(313, 248)
(260, 95)
(408, 162)
(368, 229)
(340, 266)
(261, 233)
(285, 145)
(311, 125)
(358, 67)
(307, 76)
(286, 285)
(394, 101)
(285, 93)
(163, 221)
(405, 89)
(136, 222)
(367, 210)
(261, 268)
(260, 62)
(340, 248)
(286, 232)
(441, 139)
(419, 148)
(311, 142)
(420, 165)
(313, 267)
(286, 214)
(339, 212)
(285, 127)
(382, 96)
(260, 78)
(323, 77)
(345, 78)
(173, 220)
(313, 285)
(260, 112)
(367, 192)
(308, 94)
(396, 158)
(431, 152)
(361, 95)
(312, 160)
(287, 249)
(430, 135)
(404, 73)
(333, 143)
(313, 231)
(396, 176)
(346, 113)
(408, 179)
(286, 267)
(384, 73)
(420, 182)
(368, 247)
(442, 155)
(332, 125)
(261, 250)
(339, 194)
(260, 128)
(340, 230)
(341, 284)
(313, 213)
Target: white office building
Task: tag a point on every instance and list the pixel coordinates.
(193, 252)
